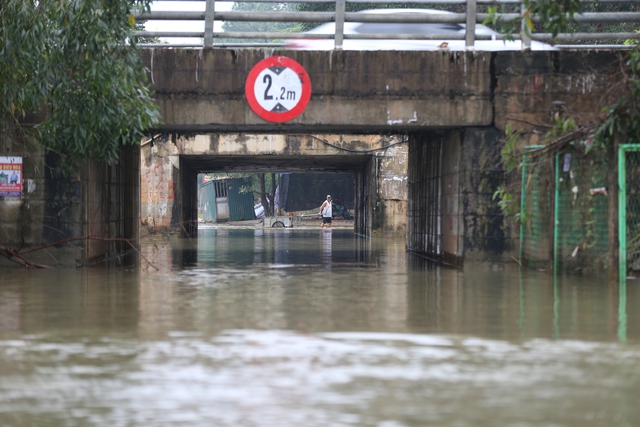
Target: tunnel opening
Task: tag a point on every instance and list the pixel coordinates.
(365, 172)
(292, 196)
(310, 181)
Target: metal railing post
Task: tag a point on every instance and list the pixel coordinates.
(209, 16)
(526, 37)
(470, 34)
(622, 213)
(339, 36)
(556, 214)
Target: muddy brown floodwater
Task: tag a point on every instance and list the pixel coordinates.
(305, 327)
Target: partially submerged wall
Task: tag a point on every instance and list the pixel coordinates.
(454, 172)
(88, 210)
(453, 216)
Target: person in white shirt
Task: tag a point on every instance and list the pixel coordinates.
(327, 212)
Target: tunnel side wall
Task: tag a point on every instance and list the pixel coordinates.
(425, 234)
(453, 217)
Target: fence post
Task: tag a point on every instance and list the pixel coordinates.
(556, 212)
(339, 36)
(524, 30)
(209, 16)
(622, 238)
(470, 33)
(622, 213)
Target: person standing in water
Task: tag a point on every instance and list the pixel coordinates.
(327, 212)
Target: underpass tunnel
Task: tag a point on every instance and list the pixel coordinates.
(283, 199)
(377, 165)
(334, 177)
(435, 187)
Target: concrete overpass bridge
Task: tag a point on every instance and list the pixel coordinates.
(452, 107)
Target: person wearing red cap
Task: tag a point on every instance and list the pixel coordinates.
(327, 212)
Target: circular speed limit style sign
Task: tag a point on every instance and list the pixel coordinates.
(278, 89)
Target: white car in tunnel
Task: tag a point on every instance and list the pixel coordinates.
(355, 28)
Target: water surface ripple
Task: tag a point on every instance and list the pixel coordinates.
(303, 327)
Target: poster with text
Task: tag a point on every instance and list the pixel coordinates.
(11, 176)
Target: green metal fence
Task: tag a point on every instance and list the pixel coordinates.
(536, 209)
(565, 207)
(581, 210)
(629, 209)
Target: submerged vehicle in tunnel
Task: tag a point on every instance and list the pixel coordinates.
(417, 30)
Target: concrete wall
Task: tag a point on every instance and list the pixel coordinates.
(453, 217)
(29, 218)
(98, 201)
(490, 239)
(473, 230)
(111, 202)
(392, 192)
(453, 224)
(168, 199)
(160, 163)
(203, 90)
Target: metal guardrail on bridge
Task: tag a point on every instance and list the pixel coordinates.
(211, 38)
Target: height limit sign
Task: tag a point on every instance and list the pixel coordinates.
(278, 89)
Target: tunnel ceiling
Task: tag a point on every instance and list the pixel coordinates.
(203, 163)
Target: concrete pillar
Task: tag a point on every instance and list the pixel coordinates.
(187, 197)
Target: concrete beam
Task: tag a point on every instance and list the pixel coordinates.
(387, 91)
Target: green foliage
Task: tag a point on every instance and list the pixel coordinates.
(561, 127)
(631, 42)
(511, 160)
(77, 63)
(555, 15)
(509, 153)
(623, 117)
(509, 205)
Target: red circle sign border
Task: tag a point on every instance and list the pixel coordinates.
(281, 61)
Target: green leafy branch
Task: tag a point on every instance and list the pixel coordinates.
(511, 160)
(556, 15)
(77, 64)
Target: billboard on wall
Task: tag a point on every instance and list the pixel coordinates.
(11, 176)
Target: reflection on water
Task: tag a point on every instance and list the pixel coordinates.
(291, 327)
